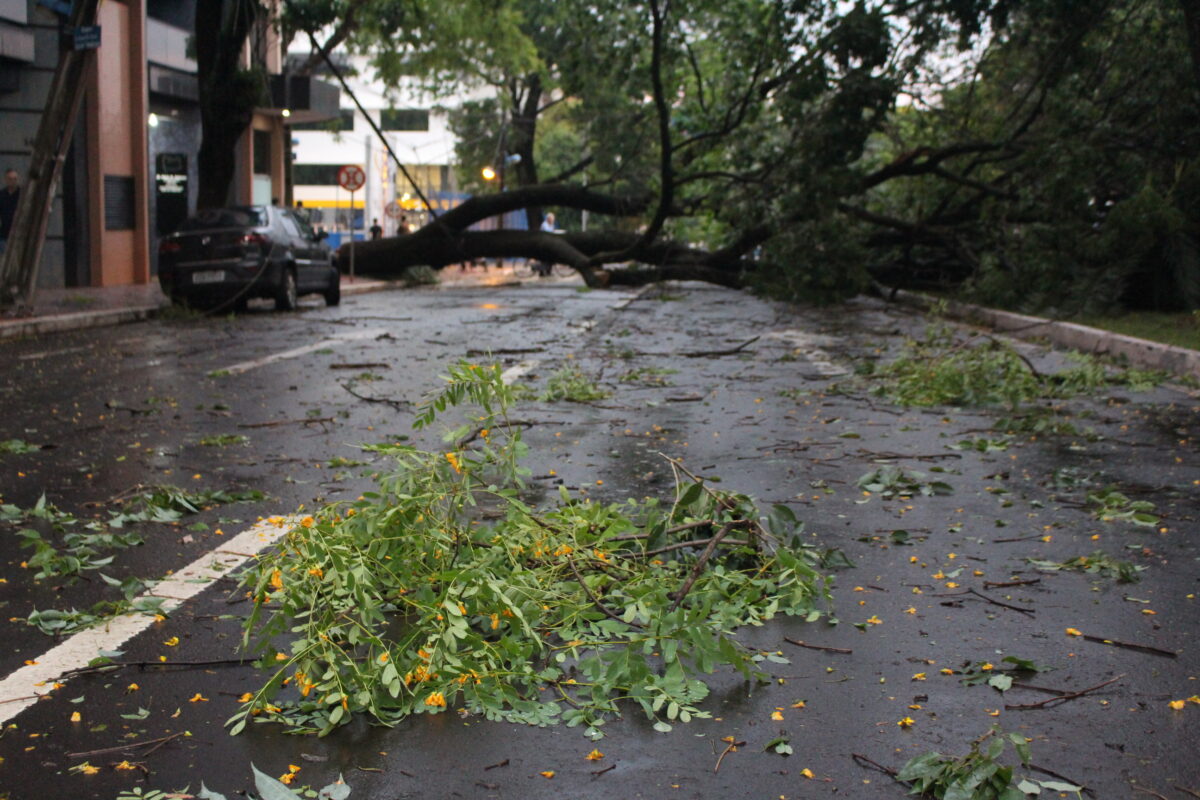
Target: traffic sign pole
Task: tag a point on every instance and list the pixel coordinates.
(352, 178)
(352, 236)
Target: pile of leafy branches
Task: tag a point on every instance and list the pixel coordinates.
(983, 371)
(445, 588)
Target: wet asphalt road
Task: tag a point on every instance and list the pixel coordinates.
(126, 407)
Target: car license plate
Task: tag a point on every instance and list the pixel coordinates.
(209, 276)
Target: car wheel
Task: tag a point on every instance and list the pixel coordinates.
(285, 299)
(333, 295)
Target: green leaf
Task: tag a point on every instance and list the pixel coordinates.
(1001, 682)
(269, 788)
(208, 794)
(339, 790)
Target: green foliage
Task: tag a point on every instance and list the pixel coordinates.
(224, 440)
(17, 447)
(571, 384)
(982, 444)
(1109, 504)
(419, 276)
(442, 588)
(1098, 563)
(939, 371)
(268, 788)
(649, 376)
(978, 775)
(998, 677)
(896, 482)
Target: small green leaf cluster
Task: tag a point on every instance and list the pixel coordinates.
(1111, 505)
(999, 677)
(891, 481)
(649, 376)
(571, 384)
(444, 588)
(224, 440)
(978, 775)
(268, 788)
(17, 447)
(1098, 563)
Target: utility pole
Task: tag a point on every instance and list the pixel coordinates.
(20, 262)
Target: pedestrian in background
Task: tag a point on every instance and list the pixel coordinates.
(376, 229)
(9, 196)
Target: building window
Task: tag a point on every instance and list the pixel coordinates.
(315, 174)
(262, 152)
(118, 203)
(404, 119)
(342, 124)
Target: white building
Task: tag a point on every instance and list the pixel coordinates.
(417, 133)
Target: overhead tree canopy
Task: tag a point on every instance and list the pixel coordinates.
(1019, 148)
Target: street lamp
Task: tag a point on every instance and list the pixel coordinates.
(488, 173)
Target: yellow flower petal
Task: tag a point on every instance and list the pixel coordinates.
(198, 698)
(777, 716)
(907, 722)
(1177, 704)
(808, 773)
(77, 717)
(547, 773)
(595, 755)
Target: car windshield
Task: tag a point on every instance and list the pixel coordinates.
(239, 217)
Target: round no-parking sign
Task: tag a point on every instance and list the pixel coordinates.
(351, 177)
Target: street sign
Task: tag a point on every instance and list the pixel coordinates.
(85, 37)
(351, 177)
(393, 210)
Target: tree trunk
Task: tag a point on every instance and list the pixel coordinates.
(228, 93)
(23, 254)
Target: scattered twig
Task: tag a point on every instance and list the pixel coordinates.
(157, 743)
(277, 422)
(700, 562)
(1062, 777)
(729, 748)
(692, 543)
(1017, 539)
(1144, 648)
(1185, 790)
(220, 662)
(473, 435)
(505, 351)
(608, 612)
(397, 404)
(864, 761)
(822, 648)
(1027, 611)
(600, 772)
(729, 352)
(685, 398)
(1150, 792)
(503, 763)
(1009, 584)
(362, 365)
(1062, 698)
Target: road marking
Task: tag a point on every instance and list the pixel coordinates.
(810, 346)
(517, 370)
(48, 353)
(27, 685)
(246, 366)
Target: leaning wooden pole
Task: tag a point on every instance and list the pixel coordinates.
(23, 255)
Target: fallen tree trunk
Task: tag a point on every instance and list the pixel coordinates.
(438, 245)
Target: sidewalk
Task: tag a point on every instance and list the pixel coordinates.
(57, 310)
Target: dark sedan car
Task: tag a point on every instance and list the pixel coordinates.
(226, 256)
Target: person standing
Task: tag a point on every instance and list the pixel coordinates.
(9, 196)
(376, 229)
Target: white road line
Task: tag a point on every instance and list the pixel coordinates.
(517, 370)
(27, 685)
(246, 366)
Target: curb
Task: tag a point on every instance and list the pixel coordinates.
(1138, 352)
(80, 320)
